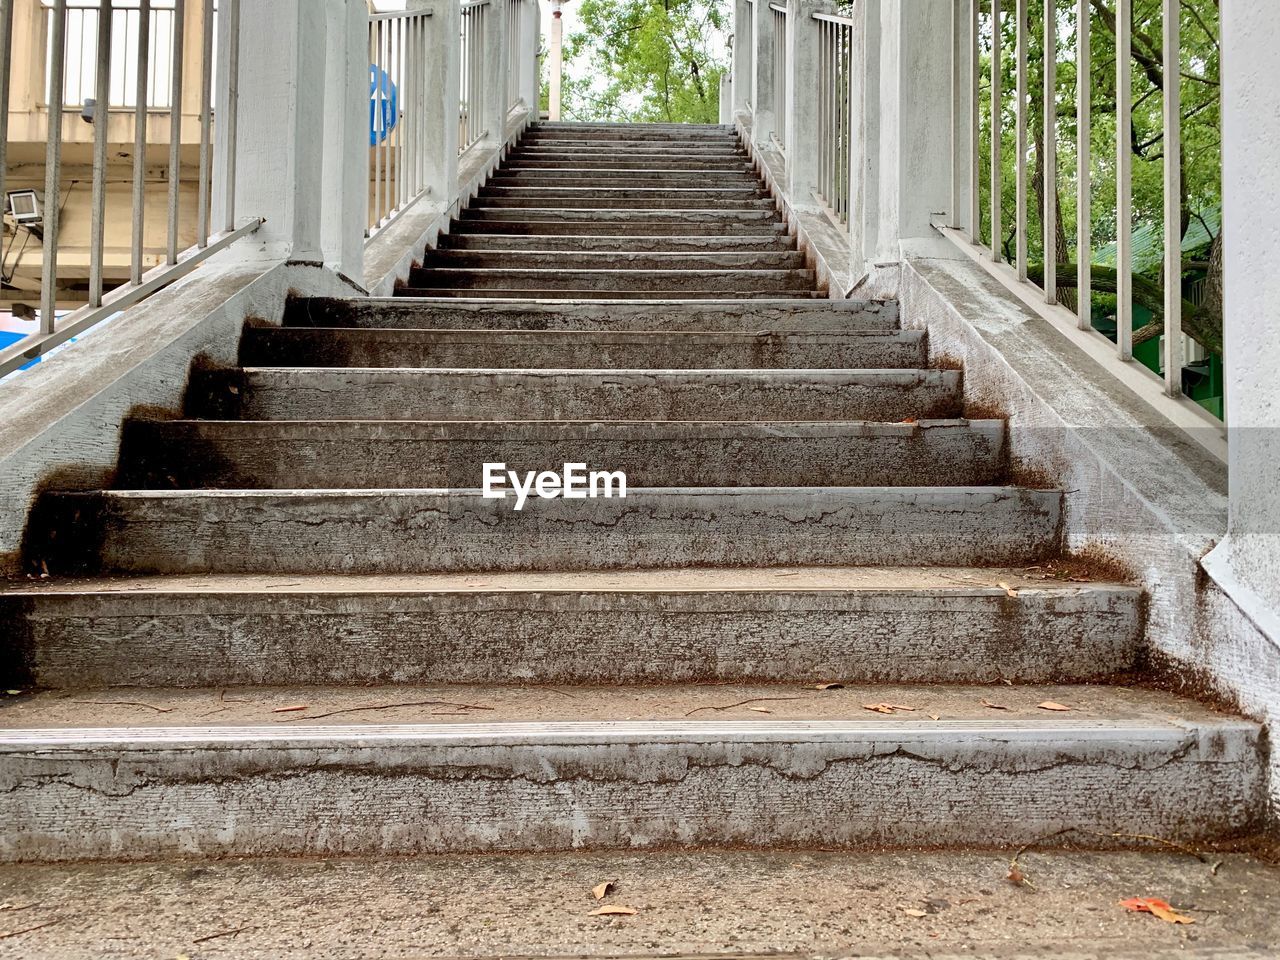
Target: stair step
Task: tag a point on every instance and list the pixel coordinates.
(699, 218)
(640, 205)
(654, 179)
(576, 296)
(619, 226)
(802, 626)
(360, 454)
(871, 316)
(628, 163)
(404, 531)
(559, 192)
(582, 260)
(602, 280)
(582, 349)
(678, 150)
(505, 243)
(300, 393)
(613, 768)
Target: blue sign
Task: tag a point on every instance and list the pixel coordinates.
(384, 105)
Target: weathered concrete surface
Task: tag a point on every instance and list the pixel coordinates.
(355, 454)
(701, 219)
(599, 281)
(741, 905)
(533, 258)
(587, 349)
(627, 249)
(860, 625)
(399, 531)
(282, 393)
(779, 316)
(571, 295)
(561, 191)
(1138, 764)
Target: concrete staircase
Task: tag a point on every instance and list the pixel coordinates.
(294, 626)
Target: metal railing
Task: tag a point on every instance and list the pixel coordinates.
(835, 43)
(475, 15)
(745, 67)
(984, 32)
(779, 13)
(39, 217)
(81, 35)
(398, 50)
(514, 11)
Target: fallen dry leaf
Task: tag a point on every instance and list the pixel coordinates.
(829, 686)
(759, 709)
(613, 911)
(601, 890)
(912, 912)
(1157, 907)
(1007, 589)
(294, 708)
(1016, 876)
(887, 707)
(1050, 705)
(992, 706)
(934, 716)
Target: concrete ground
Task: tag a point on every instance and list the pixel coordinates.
(916, 905)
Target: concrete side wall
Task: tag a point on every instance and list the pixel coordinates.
(1140, 493)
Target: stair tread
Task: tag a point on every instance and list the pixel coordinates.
(946, 581)
(524, 714)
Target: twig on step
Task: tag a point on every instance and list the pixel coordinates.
(740, 703)
(125, 703)
(387, 706)
(18, 933)
(222, 933)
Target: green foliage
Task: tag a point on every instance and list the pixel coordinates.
(646, 60)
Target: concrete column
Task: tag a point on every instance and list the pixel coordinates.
(726, 98)
(442, 84)
(345, 166)
(763, 109)
(493, 106)
(864, 152)
(801, 134)
(1248, 562)
(529, 39)
(744, 49)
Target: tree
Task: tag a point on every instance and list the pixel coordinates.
(646, 61)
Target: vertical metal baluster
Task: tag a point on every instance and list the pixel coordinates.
(53, 171)
(233, 107)
(975, 127)
(1124, 181)
(101, 119)
(997, 133)
(401, 89)
(379, 113)
(1020, 166)
(141, 91)
(1172, 199)
(206, 118)
(1084, 168)
(177, 38)
(1049, 218)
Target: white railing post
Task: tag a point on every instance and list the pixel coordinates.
(763, 109)
(744, 49)
(801, 134)
(442, 81)
(864, 147)
(528, 39)
(493, 78)
(345, 170)
(280, 143)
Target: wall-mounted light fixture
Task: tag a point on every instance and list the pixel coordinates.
(24, 207)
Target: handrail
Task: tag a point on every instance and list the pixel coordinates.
(402, 14)
(833, 18)
(779, 8)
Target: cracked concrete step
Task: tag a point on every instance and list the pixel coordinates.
(699, 218)
(404, 531)
(722, 281)
(581, 349)
(682, 153)
(637, 206)
(320, 393)
(347, 454)
(630, 164)
(632, 226)
(766, 243)
(871, 316)
(605, 768)
(658, 179)
(801, 626)
(628, 192)
(662, 259)
(576, 296)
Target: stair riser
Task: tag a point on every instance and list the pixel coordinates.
(320, 394)
(726, 282)
(653, 180)
(421, 531)
(701, 218)
(610, 259)
(573, 296)
(298, 347)
(642, 206)
(628, 163)
(189, 455)
(229, 639)
(371, 792)
(673, 153)
(829, 315)
(646, 228)
(618, 192)
(703, 246)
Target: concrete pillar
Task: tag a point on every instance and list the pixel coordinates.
(864, 150)
(801, 134)
(442, 83)
(281, 117)
(528, 40)
(493, 77)
(726, 98)
(1248, 562)
(744, 49)
(345, 153)
(763, 108)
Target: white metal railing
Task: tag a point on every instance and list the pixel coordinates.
(39, 216)
(475, 15)
(399, 45)
(81, 42)
(835, 41)
(779, 13)
(986, 31)
(514, 59)
(744, 69)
